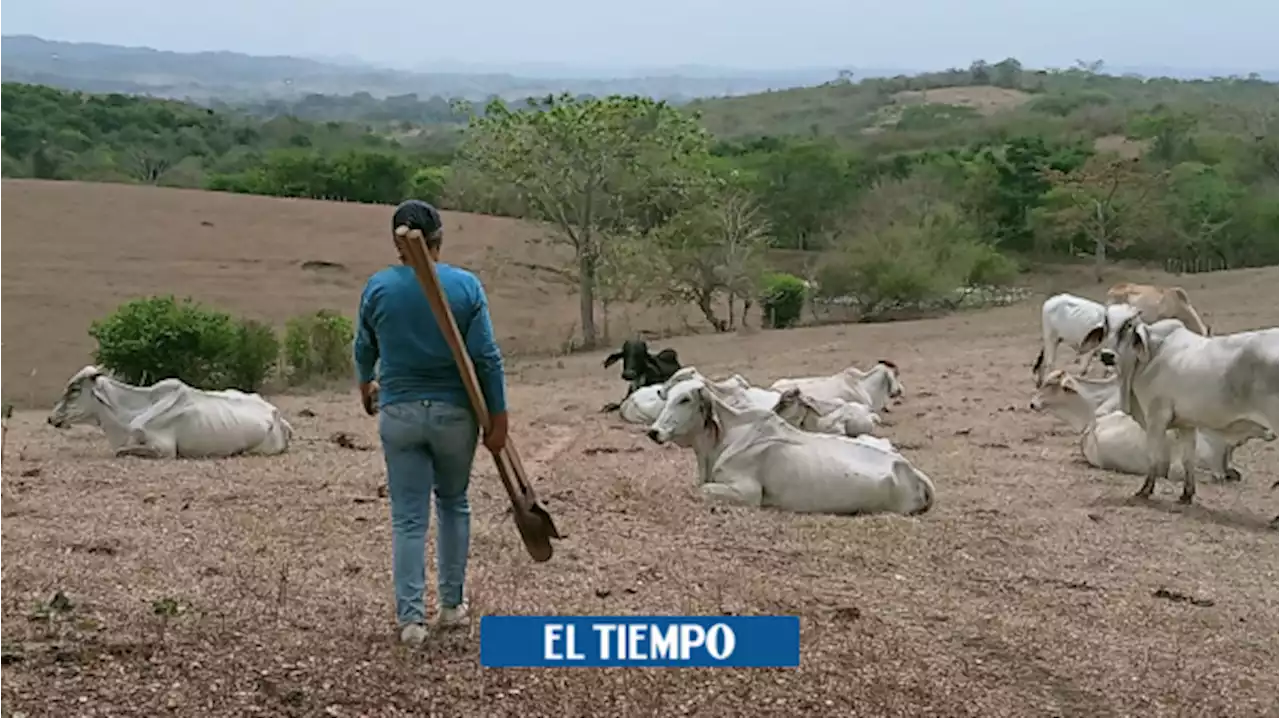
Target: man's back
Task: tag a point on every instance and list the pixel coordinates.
(416, 362)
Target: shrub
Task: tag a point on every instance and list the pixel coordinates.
(146, 340)
(257, 352)
(783, 299)
(318, 346)
(990, 268)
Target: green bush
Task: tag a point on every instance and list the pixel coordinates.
(318, 346)
(990, 268)
(154, 338)
(257, 352)
(783, 299)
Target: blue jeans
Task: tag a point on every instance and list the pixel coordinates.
(428, 447)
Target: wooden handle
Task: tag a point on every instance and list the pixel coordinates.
(412, 246)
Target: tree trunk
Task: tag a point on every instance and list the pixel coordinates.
(732, 301)
(587, 299)
(1099, 245)
(704, 303)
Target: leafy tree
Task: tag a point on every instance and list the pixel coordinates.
(592, 168)
(1109, 201)
(713, 247)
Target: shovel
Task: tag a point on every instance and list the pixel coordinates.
(532, 518)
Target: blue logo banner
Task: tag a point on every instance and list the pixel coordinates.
(611, 641)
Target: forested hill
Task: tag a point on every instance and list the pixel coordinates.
(236, 77)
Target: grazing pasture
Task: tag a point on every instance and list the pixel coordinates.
(261, 585)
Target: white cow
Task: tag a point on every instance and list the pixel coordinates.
(1173, 378)
(643, 405)
(873, 388)
(798, 409)
(825, 417)
(1109, 438)
(754, 457)
(1065, 318)
(170, 419)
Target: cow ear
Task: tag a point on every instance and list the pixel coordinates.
(98, 394)
(1142, 342)
(612, 359)
(1093, 339)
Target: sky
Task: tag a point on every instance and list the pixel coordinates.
(747, 34)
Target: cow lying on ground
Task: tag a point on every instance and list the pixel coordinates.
(640, 368)
(1109, 438)
(1065, 318)
(873, 388)
(1173, 378)
(797, 408)
(1155, 303)
(170, 419)
(825, 417)
(753, 457)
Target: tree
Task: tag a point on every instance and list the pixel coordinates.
(1108, 201)
(592, 168)
(713, 247)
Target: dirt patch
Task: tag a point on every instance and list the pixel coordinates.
(1121, 145)
(1036, 587)
(986, 100)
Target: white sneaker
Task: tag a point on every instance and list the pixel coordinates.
(413, 634)
(455, 617)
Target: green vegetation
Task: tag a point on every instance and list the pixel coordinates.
(318, 347)
(895, 191)
(153, 338)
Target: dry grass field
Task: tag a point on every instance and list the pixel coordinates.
(261, 586)
(74, 251)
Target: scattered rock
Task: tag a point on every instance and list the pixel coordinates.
(847, 614)
(33, 471)
(593, 450)
(603, 593)
(1178, 597)
(347, 441)
(963, 432)
(322, 265)
(307, 413)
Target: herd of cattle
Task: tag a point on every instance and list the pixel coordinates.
(809, 444)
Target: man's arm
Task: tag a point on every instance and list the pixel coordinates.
(366, 347)
(486, 355)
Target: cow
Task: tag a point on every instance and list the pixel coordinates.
(640, 368)
(1109, 438)
(170, 419)
(1065, 318)
(798, 409)
(873, 388)
(825, 417)
(753, 457)
(1155, 303)
(1174, 378)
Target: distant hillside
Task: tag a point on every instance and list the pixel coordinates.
(935, 108)
(235, 77)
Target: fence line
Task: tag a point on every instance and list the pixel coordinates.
(1198, 265)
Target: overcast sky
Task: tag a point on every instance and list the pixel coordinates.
(755, 34)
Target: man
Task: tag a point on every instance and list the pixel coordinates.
(425, 421)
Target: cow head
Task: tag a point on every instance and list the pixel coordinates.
(1132, 351)
(1058, 386)
(634, 356)
(793, 406)
(1103, 337)
(896, 390)
(78, 401)
(689, 409)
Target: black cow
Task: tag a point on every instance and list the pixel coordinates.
(640, 368)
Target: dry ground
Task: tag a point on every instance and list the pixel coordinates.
(1030, 589)
(986, 100)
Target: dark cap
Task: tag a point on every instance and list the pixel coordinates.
(418, 215)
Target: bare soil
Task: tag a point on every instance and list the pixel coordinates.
(74, 251)
(261, 586)
(986, 100)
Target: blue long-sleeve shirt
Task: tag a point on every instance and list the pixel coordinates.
(396, 327)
